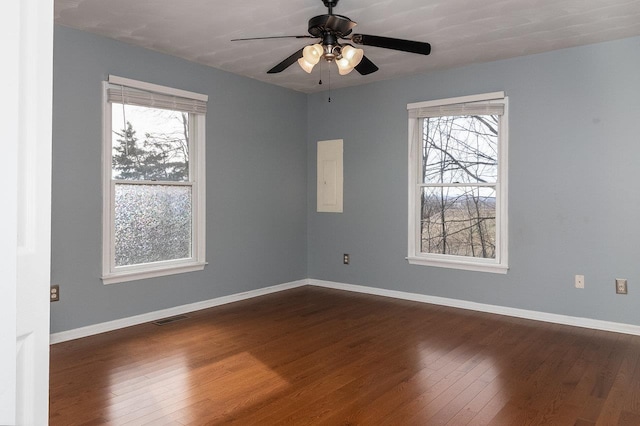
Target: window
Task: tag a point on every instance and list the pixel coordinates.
(153, 180)
(457, 183)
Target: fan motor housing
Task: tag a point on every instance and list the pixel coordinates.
(340, 25)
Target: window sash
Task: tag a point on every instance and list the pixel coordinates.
(111, 273)
(192, 128)
(419, 237)
(193, 245)
(491, 103)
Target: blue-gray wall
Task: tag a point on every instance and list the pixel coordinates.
(256, 182)
(574, 201)
(574, 194)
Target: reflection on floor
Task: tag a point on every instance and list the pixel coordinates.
(318, 356)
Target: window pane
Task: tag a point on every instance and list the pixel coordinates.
(149, 143)
(459, 221)
(152, 223)
(460, 149)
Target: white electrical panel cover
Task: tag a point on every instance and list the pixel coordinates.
(329, 172)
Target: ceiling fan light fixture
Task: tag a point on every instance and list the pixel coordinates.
(313, 53)
(344, 67)
(330, 29)
(305, 65)
(352, 55)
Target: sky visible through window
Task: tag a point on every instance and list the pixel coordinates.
(152, 221)
(145, 120)
(157, 145)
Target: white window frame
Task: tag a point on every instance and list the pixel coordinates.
(112, 273)
(415, 257)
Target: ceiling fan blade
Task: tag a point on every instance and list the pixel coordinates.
(286, 63)
(266, 38)
(411, 46)
(366, 66)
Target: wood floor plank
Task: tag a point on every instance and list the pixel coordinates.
(320, 356)
(621, 383)
(632, 398)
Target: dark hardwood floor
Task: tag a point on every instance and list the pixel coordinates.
(319, 356)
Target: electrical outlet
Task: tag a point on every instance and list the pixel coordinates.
(54, 294)
(579, 281)
(621, 286)
(345, 258)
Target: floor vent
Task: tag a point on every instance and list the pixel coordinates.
(170, 320)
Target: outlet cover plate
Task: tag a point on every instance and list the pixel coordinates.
(621, 286)
(54, 294)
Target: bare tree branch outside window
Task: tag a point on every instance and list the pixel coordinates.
(152, 221)
(162, 154)
(459, 175)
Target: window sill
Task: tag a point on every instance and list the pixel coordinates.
(458, 264)
(141, 274)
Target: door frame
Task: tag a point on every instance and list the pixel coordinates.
(25, 219)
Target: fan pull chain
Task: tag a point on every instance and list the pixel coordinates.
(329, 84)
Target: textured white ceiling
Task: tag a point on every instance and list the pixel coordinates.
(460, 31)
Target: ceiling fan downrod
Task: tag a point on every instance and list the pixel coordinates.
(330, 4)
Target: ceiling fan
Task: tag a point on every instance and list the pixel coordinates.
(330, 29)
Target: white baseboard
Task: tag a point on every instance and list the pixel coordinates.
(481, 307)
(90, 330)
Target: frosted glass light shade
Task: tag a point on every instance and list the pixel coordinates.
(313, 53)
(352, 55)
(310, 56)
(305, 65)
(344, 67)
